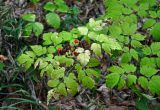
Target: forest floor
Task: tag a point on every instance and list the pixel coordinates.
(28, 91)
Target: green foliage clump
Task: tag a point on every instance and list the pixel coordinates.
(139, 63)
(72, 59)
(52, 17)
(33, 26)
(64, 58)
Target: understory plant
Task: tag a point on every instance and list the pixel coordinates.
(128, 34)
(135, 24)
(57, 13)
(71, 60)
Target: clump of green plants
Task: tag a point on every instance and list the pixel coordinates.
(69, 58)
(134, 23)
(128, 32)
(54, 9)
(33, 26)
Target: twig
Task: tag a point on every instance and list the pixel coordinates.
(31, 86)
(10, 57)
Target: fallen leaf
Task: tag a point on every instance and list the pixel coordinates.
(3, 58)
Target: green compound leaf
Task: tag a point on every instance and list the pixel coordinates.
(122, 39)
(64, 60)
(116, 69)
(81, 74)
(25, 60)
(138, 37)
(153, 14)
(78, 67)
(61, 6)
(144, 6)
(69, 62)
(49, 6)
(53, 83)
(128, 68)
(96, 49)
(66, 36)
(71, 84)
(126, 11)
(129, 3)
(53, 20)
(92, 72)
(126, 57)
(47, 38)
(93, 35)
(51, 49)
(112, 9)
(154, 85)
(115, 30)
(142, 13)
(93, 62)
(148, 71)
(143, 82)
(30, 54)
(95, 25)
(58, 73)
(112, 79)
(109, 42)
(29, 17)
(148, 62)
(132, 19)
(83, 58)
(71, 75)
(121, 83)
(59, 2)
(62, 89)
(155, 32)
(147, 50)
(56, 40)
(39, 50)
(134, 54)
(38, 28)
(42, 65)
(27, 31)
(50, 38)
(83, 30)
(131, 79)
(88, 82)
(49, 69)
(28, 64)
(126, 49)
(155, 47)
(136, 44)
(49, 57)
(129, 29)
(106, 48)
(149, 23)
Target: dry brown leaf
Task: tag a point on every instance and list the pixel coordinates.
(3, 58)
